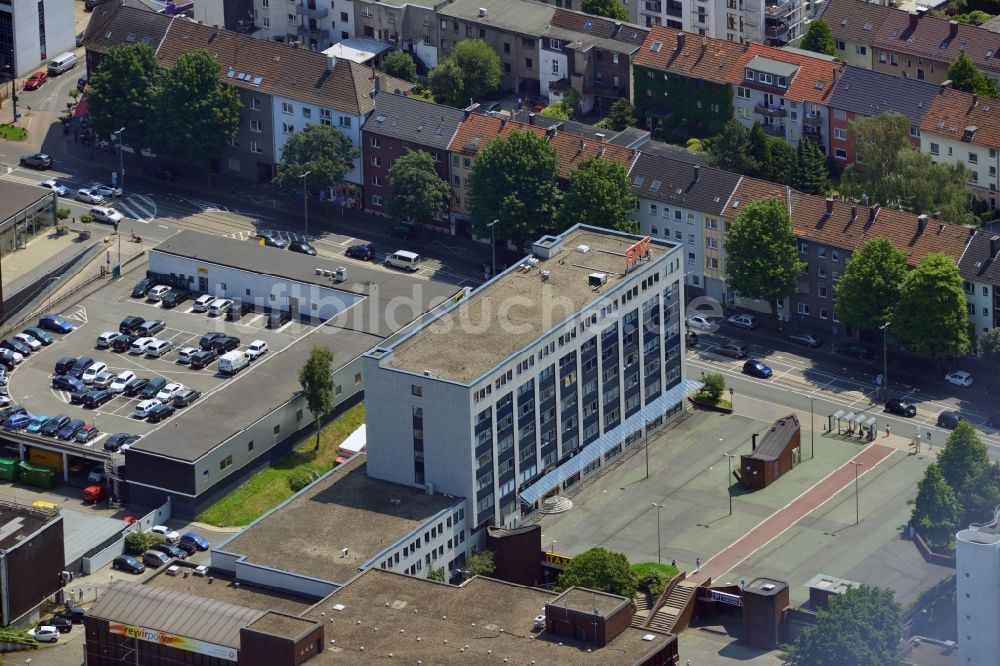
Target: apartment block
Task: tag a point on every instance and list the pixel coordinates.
(854, 24)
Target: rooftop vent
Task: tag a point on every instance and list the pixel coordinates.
(583, 249)
(596, 280)
(483, 12)
(767, 587)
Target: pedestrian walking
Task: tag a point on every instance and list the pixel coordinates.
(697, 565)
(888, 429)
(673, 563)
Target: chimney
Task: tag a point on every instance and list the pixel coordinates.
(503, 122)
(582, 146)
(994, 246)
(469, 110)
(914, 17)
(600, 137)
(921, 223)
(600, 150)
(972, 231)
(952, 29)
(681, 37)
(937, 215)
(531, 119)
(331, 63)
(873, 213)
(378, 83)
(215, 30)
(975, 101)
(829, 206)
(550, 132)
(618, 27)
(753, 443)
(854, 213)
(944, 85)
(697, 173)
(836, 73)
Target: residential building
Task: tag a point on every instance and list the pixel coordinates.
(410, 26)
(235, 15)
(682, 84)
(922, 47)
(111, 24)
(684, 203)
(980, 269)
(775, 22)
(512, 28)
(786, 92)
(963, 128)
(863, 93)
(854, 24)
(32, 33)
(31, 541)
(589, 358)
(589, 53)
(977, 577)
(399, 125)
(313, 24)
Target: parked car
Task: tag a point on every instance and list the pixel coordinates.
(39, 335)
(225, 344)
(17, 421)
(746, 321)
(136, 385)
(36, 80)
(949, 420)
(81, 366)
(959, 378)
(302, 248)
(756, 368)
(152, 388)
(28, 340)
(154, 558)
(105, 339)
(129, 564)
(130, 325)
(87, 433)
(699, 322)
(202, 358)
(106, 190)
(60, 622)
(78, 396)
(55, 323)
(9, 359)
(219, 307)
(158, 292)
(169, 535)
(143, 409)
(16, 346)
(103, 380)
(152, 326)
(733, 350)
(39, 161)
(186, 397)
(184, 354)
(167, 392)
(55, 186)
(271, 239)
(45, 633)
(67, 383)
(170, 550)
(403, 230)
(96, 474)
(175, 298)
(900, 407)
(74, 613)
(122, 343)
(807, 339)
(95, 399)
(140, 345)
(207, 339)
(121, 381)
(114, 442)
(64, 365)
(81, 83)
(37, 422)
(256, 349)
(106, 214)
(95, 368)
(69, 430)
(202, 302)
(192, 541)
(54, 425)
(85, 195)
(142, 287)
(364, 252)
(160, 412)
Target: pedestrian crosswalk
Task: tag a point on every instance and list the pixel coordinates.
(209, 207)
(138, 207)
(290, 236)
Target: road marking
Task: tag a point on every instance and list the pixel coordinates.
(79, 315)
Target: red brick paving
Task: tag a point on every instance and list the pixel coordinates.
(782, 519)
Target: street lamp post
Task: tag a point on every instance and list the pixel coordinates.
(729, 476)
(885, 360)
(645, 445)
(493, 246)
(9, 73)
(857, 499)
(812, 429)
(119, 182)
(659, 559)
(305, 202)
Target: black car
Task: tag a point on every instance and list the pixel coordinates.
(175, 297)
(302, 248)
(225, 344)
(80, 366)
(122, 343)
(69, 430)
(142, 287)
(130, 325)
(160, 412)
(39, 161)
(152, 388)
(733, 350)
(151, 327)
(75, 614)
(364, 252)
(115, 441)
(60, 622)
(129, 564)
(897, 406)
(949, 420)
(95, 399)
(202, 359)
(272, 240)
(10, 411)
(55, 424)
(238, 310)
(67, 383)
(16, 345)
(171, 551)
(7, 359)
(404, 231)
(186, 397)
(207, 339)
(76, 398)
(133, 388)
(82, 82)
(857, 350)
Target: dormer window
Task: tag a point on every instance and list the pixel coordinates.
(782, 82)
(765, 78)
(555, 44)
(749, 75)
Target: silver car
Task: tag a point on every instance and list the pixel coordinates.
(742, 321)
(88, 196)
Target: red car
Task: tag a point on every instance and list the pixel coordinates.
(36, 80)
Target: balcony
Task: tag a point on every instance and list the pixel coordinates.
(812, 120)
(770, 111)
(776, 30)
(774, 130)
(311, 10)
(779, 9)
(319, 34)
(814, 133)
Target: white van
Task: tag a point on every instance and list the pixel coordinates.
(158, 348)
(404, 259)
(62, 63)
(219, 307)
(232, 362)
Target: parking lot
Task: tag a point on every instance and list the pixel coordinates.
(30, 384)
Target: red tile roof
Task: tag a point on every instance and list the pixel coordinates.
(813, 82)
(697, 57)
(951, 112)
(939, 39)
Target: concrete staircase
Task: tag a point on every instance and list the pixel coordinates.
(643, 604)
(673, 616)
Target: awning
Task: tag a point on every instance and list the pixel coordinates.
(81, 107)
(610, 440)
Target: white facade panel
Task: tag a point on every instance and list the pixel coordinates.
(292, 115)
(977, 576)
(38, 39)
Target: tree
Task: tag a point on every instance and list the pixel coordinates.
(123, 93)
(923, 185)
(981, 496)
(447, 85)
(936, 510)
(316, 378)
(556, 110)
(782, 162)
(436, 574)
(878, 141)
(514, 181)
(322, 151)
(811, 175)
(760, 152)
(612, 9)
(401, 65)
(963, 458)
(137, 542)
(480, 564)
(763, 262)
(621, 115)
(480, 67)
(860, 626)
(931, 316)
(695, 145)
(600, 194)
(418, 192)
(715, 385)
(869, 289)
(966, 77)
(989, 344)
(599, 569)
(197, 115)
(730, 150)
(819, 39)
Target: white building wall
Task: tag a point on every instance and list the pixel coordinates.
(30, 53)
(292, 115)
(977, 576)
(978, 295)
(678, 225)
(982, 161)
(553, 66)
(209, 12)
